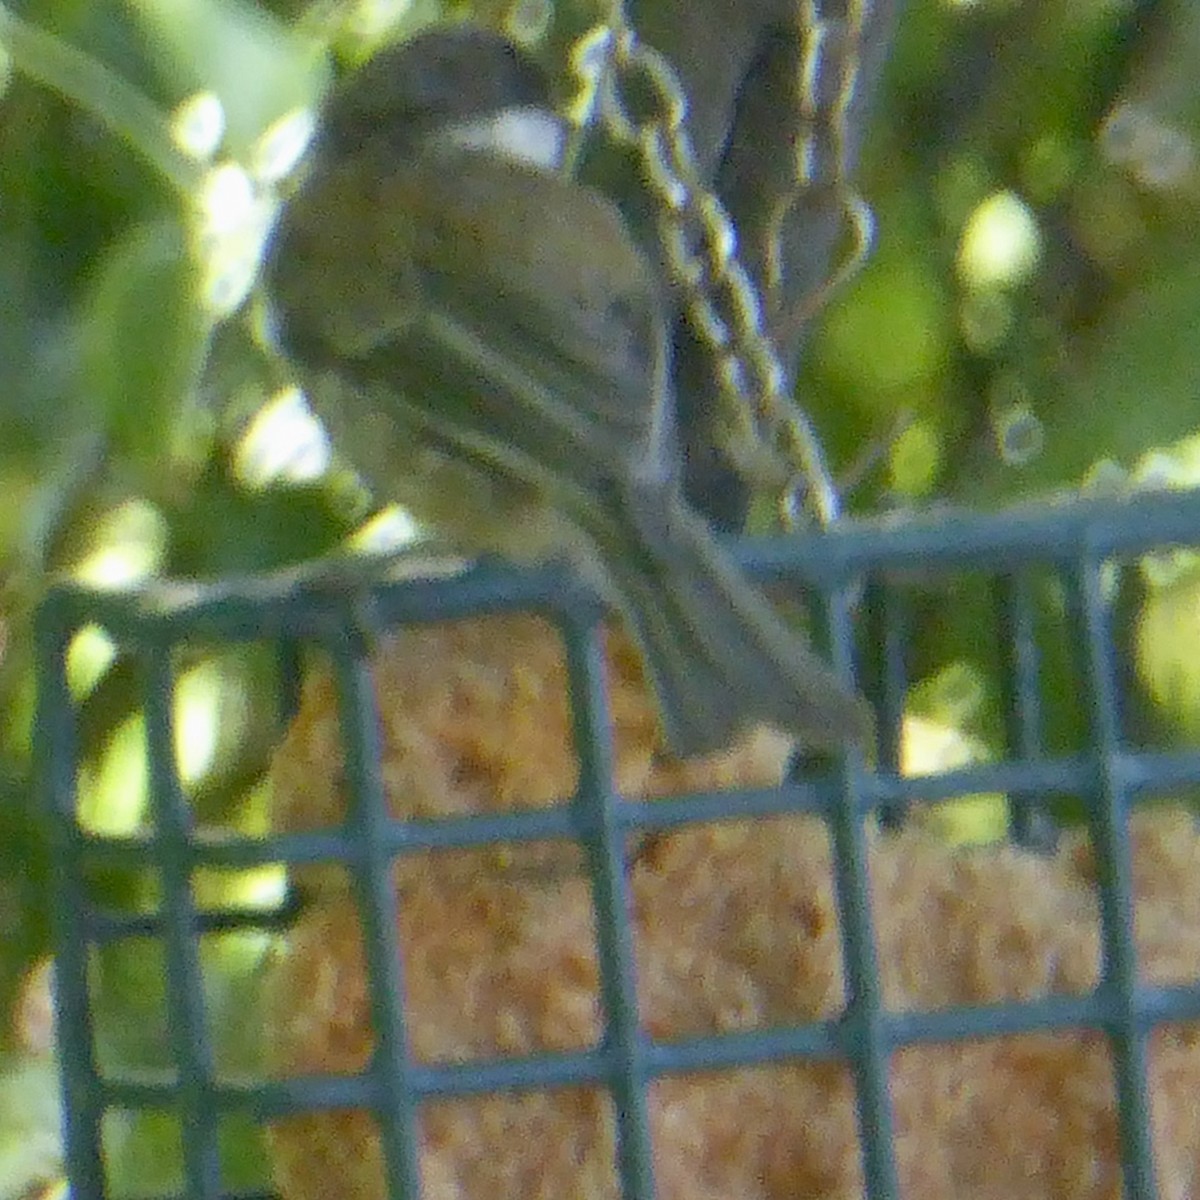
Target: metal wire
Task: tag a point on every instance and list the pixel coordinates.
(1114, 773)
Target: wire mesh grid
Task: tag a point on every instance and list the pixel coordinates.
(861, 573)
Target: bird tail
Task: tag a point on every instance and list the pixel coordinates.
(719, 656)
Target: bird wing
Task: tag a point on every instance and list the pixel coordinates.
(536, 309)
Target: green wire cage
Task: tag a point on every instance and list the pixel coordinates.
(866, 578)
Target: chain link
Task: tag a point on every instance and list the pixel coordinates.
(769, 437)
(820, 33)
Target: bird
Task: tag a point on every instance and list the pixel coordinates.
(491, 347)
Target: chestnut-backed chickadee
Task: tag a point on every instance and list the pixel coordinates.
(490, 345)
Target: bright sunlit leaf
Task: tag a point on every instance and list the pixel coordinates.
(90, 655)
(285, 443)
(282, 145)
(129, 545)
(1000, 243)
(198, 125)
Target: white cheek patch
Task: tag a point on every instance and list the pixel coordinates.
(530, 135)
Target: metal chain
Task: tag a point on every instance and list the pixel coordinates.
(770, 438)
(821, 31)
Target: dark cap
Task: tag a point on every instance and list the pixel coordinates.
(447, 74)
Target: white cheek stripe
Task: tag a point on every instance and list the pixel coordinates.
(532, 135)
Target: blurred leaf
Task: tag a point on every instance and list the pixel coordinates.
(1166, 639)
(143, 342)
(30, 1124)
(256, 66)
